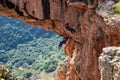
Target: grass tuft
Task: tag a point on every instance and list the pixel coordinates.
(116, 8)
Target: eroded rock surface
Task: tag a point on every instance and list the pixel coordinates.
(109, 63)
(92, 32)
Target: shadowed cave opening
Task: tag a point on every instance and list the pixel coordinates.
(29, 51)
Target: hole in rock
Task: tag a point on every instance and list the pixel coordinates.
(29, 51)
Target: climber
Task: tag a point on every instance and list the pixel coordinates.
(65, 38)
(67, 27)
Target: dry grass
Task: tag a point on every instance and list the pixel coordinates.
(48, 76)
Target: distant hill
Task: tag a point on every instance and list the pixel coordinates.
(14, 32)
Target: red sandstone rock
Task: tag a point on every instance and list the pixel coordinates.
(69, 47)
(92, 33)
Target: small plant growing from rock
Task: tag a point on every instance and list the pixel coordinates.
(116, 8)
(112, 65)
(112, 54)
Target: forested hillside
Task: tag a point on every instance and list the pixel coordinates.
(28, 50)
(14, 32)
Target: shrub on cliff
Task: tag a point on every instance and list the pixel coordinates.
(116, 8)
(5, 73)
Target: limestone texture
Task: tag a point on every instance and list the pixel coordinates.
(109, 63)
(94, 30)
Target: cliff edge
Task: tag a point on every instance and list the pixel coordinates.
(96, 23)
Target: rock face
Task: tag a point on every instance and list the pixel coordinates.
(85, 16)
(109, 63)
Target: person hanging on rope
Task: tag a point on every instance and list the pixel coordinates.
(67, 27)
(65, 38)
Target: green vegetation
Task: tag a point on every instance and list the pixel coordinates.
(116, 8)
(112, 54)
(112, 72)
(35, 57)
(5, 73)
(28, 51)
(112, 65)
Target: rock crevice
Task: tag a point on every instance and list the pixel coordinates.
(46, 8)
